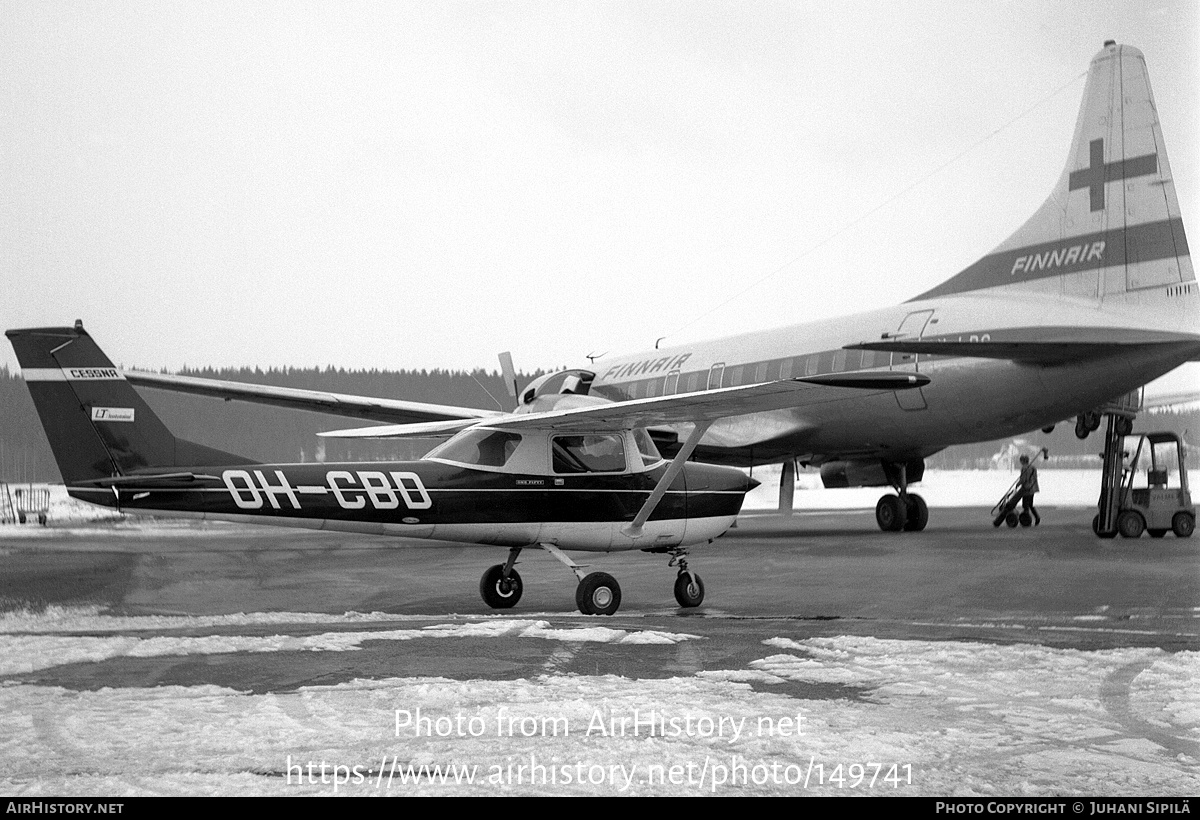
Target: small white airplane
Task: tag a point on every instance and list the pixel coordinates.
(1093, 297)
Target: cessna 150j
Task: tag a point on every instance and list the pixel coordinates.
(1094, 296)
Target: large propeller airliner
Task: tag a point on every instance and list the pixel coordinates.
(1093, 297)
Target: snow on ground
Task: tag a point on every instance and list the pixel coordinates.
(886, 717)
(939, 488)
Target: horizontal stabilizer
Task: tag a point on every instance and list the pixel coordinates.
(1053, 346)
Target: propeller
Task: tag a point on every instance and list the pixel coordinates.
(510, 377)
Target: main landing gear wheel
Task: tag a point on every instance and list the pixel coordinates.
(598, 594)
(1182, 525)
(689, 589)
(918, 513)
(499, 592)
(890, 514)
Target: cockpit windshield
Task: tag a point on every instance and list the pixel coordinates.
(484, 448)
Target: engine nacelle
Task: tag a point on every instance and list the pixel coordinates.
(869, 473)
(561, 390)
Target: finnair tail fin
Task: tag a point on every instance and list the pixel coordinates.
(1111, 229)
(97, 424)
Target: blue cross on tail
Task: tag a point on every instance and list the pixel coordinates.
(1098, 172)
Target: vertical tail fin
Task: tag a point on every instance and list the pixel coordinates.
(1111, 228)
(97, 424)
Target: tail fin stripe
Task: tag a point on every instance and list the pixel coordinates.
(1094, 251)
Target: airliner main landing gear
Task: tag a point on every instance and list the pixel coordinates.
(904, 511)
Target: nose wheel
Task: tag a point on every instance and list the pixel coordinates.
(501, 587)
(689, 589)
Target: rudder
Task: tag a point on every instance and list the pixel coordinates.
(1111, 228)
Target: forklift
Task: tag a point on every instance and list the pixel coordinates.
(1142, 498)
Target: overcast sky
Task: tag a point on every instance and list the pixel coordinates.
(425, 184)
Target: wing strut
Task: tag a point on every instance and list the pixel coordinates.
(634, 530)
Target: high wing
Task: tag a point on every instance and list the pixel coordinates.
(701, 407)
(393, 411)
(1041, 345)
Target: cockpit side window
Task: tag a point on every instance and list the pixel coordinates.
(646, 447)
(486, 448)
(588, 454)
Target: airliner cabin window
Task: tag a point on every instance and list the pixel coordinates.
(588, 454)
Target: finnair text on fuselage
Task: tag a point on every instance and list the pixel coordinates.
(1058, 258)
(647, 366)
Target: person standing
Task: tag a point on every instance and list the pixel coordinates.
(1029, 487)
